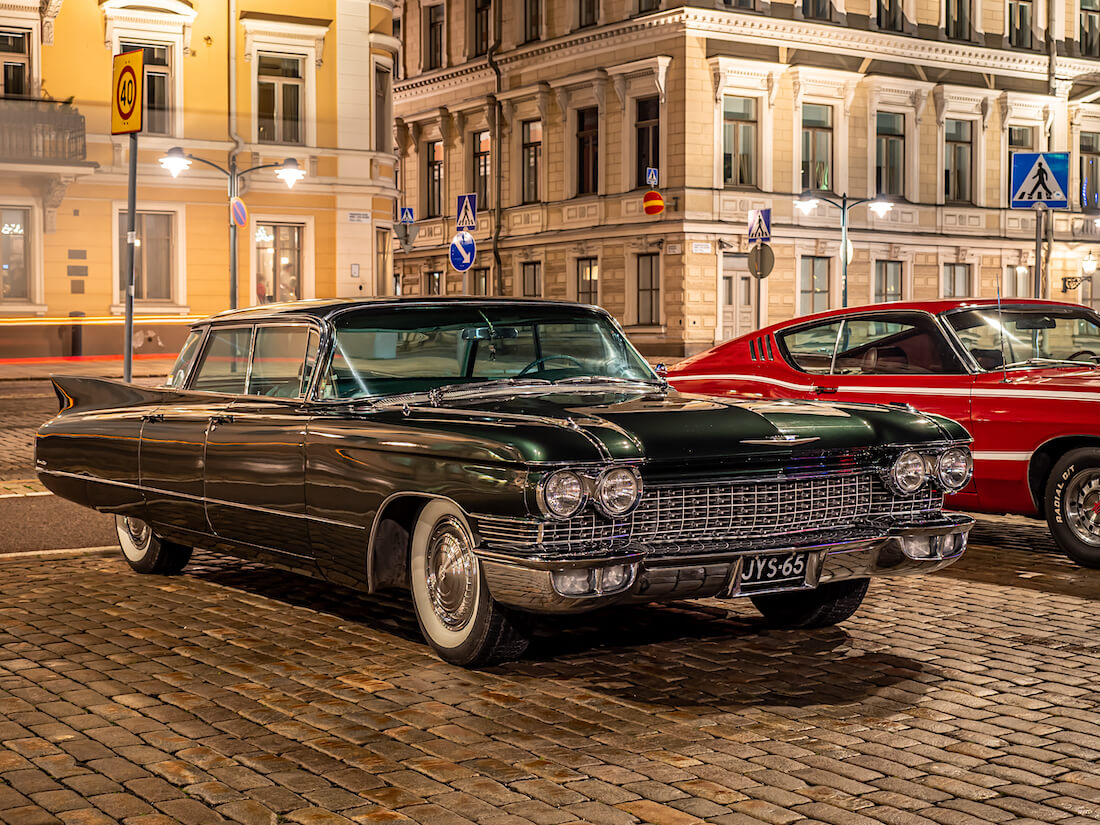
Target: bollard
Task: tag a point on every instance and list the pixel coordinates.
(76, 337)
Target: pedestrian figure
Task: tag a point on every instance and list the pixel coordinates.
(1040, 183)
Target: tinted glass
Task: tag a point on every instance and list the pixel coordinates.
(224, 366)
(894, 345)
(278, 362)
(1038, 333)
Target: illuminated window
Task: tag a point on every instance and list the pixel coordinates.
(278, 262)
(588, 280)
(15, 279)
(153, 255)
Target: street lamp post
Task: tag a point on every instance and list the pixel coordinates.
(809, 200)
(176, 161)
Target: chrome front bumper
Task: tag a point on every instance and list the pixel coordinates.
(528, 582)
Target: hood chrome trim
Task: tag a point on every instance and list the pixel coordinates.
(788, 440)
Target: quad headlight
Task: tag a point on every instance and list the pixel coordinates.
(954, 468)
(618, 491)
(909, 472)
(562, 494)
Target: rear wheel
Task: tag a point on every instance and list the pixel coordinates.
(145, 552)
(1072, 505)
(826, 605)
(456, 613)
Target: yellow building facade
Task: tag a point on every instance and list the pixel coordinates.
(242, 80)
(741, 105)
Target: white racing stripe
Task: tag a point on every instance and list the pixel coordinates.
(995, 455)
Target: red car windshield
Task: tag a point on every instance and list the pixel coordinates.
(1028, 336)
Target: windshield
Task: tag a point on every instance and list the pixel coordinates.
(1028, 336)
(418, 348)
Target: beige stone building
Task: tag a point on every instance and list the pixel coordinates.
(551, 111)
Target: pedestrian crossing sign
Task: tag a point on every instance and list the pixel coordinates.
(651, 176)
(406, 214)
(467, 212)
(760, 225)
(1040, 178)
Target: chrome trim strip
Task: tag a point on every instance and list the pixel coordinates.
(202, 499)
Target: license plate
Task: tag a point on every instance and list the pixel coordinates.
(767, 572)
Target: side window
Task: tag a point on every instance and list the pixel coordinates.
(894, 346)
(312, 349)
(224, 366)
(279, 361)
(810, 349)
(183, 361)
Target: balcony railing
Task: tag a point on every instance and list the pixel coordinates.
(42, 131)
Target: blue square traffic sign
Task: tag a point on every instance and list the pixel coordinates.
(466, 212)
(1040, 178)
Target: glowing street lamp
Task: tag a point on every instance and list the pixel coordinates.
(809, 200)
(288, 171)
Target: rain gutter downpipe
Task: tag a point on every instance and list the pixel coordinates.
(490, 56)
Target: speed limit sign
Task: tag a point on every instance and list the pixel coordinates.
(127, 98)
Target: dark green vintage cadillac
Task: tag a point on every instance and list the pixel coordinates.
(497, 458)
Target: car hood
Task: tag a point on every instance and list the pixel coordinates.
(674, 428)
(1066, 379)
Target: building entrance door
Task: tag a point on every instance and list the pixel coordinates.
(739, 296)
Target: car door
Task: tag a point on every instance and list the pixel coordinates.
(882, 358)
(255, 451)
(173, 438)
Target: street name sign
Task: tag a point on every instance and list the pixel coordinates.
(467, 212)
(128, 97)
(1040, 178)
(406, 214)
(463, 251)
(760, 225)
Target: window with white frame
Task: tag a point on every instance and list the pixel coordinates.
(739, 141)
(1017, 281)
(480, 33)
(889, 153)
(588, 150)
(956, 281)
(433, 179)
(383, 122)
(1088, 41)
(588, 12)
(481, 164)
(647, 137)
(154, 256)
(278, 262)
(956, 24)
(1020, 139)
(888, 281)
(958, 170)
(649, 289)
(531, 160)
(532, 20)
(1090, 170)
(588, 280)
(280, 94)
(1020, 16)
(817, 146)
(157, 118)
(814, 287)
(532, 279)
(890, 16)
(15, 269)
(434, 22)
(15, 52)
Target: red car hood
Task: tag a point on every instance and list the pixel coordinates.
(1046, 380)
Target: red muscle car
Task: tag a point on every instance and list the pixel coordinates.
(1021, 375)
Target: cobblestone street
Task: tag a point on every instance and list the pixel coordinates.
(256, 696)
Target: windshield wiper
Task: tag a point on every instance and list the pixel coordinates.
(1049, 361)
(605, 379)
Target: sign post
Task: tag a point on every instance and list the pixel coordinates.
(127, 106)
(1040, 181)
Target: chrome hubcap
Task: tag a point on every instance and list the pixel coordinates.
(1083, 506)
(452, 574)
(139, 531)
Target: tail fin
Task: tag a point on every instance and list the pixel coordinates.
(82, 392)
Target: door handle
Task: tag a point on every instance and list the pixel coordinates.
(153, 417)
(221, 419)
(824, 390)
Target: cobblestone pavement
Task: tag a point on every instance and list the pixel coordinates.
(237, 693)
(23, 408)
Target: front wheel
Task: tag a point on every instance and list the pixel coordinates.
(1072, 505)
(826, 605)
(145, 552)
(456, 613)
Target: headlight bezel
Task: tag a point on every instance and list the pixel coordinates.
(892, 474)
(968, 457)
(598, 487)
(544, 502)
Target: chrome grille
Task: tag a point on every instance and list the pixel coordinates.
(742, 512)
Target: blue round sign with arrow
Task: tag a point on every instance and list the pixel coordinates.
(463, 251)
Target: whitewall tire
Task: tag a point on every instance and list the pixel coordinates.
(145, 552)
